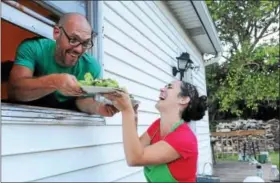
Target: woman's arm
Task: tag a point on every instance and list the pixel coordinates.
(144, 138)
(136, 152)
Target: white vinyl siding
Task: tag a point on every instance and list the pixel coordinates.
(141, 43)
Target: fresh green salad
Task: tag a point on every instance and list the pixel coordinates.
(89, 81)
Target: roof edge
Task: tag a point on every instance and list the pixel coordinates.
(207, 21)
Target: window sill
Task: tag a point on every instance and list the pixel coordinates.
(33, 115)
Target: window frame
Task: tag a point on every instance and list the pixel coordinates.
(95, 18)
(19, 18)
(39, 25)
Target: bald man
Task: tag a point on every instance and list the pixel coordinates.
(45, 71)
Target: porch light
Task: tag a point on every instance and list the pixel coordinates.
(184, 63)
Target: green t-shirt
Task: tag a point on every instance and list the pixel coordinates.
(38, 55)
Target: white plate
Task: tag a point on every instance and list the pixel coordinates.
(97, 89)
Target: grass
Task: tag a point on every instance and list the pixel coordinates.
(274, 156)
(226, 157)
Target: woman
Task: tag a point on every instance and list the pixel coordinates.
(168, 150)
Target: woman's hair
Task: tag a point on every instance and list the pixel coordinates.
(197, 105)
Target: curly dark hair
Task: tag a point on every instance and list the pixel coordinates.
(197, 105)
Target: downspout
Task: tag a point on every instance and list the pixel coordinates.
(213, 60)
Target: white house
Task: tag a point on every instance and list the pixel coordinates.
(137, 43)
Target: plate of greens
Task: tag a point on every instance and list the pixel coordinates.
(98, 86)
(93, 87)
(97, 89)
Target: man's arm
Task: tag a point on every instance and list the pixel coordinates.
(91, 106)
(23, 87)
(87, 105)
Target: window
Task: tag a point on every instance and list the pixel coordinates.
(66, 6)
(23, 19)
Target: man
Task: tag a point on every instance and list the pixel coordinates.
(46, 71)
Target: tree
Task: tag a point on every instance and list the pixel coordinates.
(249, 77)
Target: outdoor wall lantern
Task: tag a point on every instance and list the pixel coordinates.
(184, 63)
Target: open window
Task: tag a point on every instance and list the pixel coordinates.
(24, 19)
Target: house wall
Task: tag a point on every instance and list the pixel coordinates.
(141, 43)
(41, 144)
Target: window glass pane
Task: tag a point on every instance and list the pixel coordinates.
(68, 6)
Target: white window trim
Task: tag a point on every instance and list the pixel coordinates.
(30, 115)
(95, 18)
(26, 21)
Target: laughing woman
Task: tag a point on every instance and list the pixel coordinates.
(168, 150)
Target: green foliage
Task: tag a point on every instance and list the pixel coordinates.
(250, 72)
(255, 80)
(90, 81)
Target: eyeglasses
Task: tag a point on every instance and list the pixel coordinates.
(75, 42)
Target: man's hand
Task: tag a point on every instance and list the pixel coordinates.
(106, 110)
(122, 102)
(67, 85)
(91, 106)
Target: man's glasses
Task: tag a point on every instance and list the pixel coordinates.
(75, 42)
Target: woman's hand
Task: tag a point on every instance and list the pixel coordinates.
(120, 100)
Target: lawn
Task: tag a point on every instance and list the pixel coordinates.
(274, 156)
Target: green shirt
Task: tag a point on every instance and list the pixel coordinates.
(38, 55)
